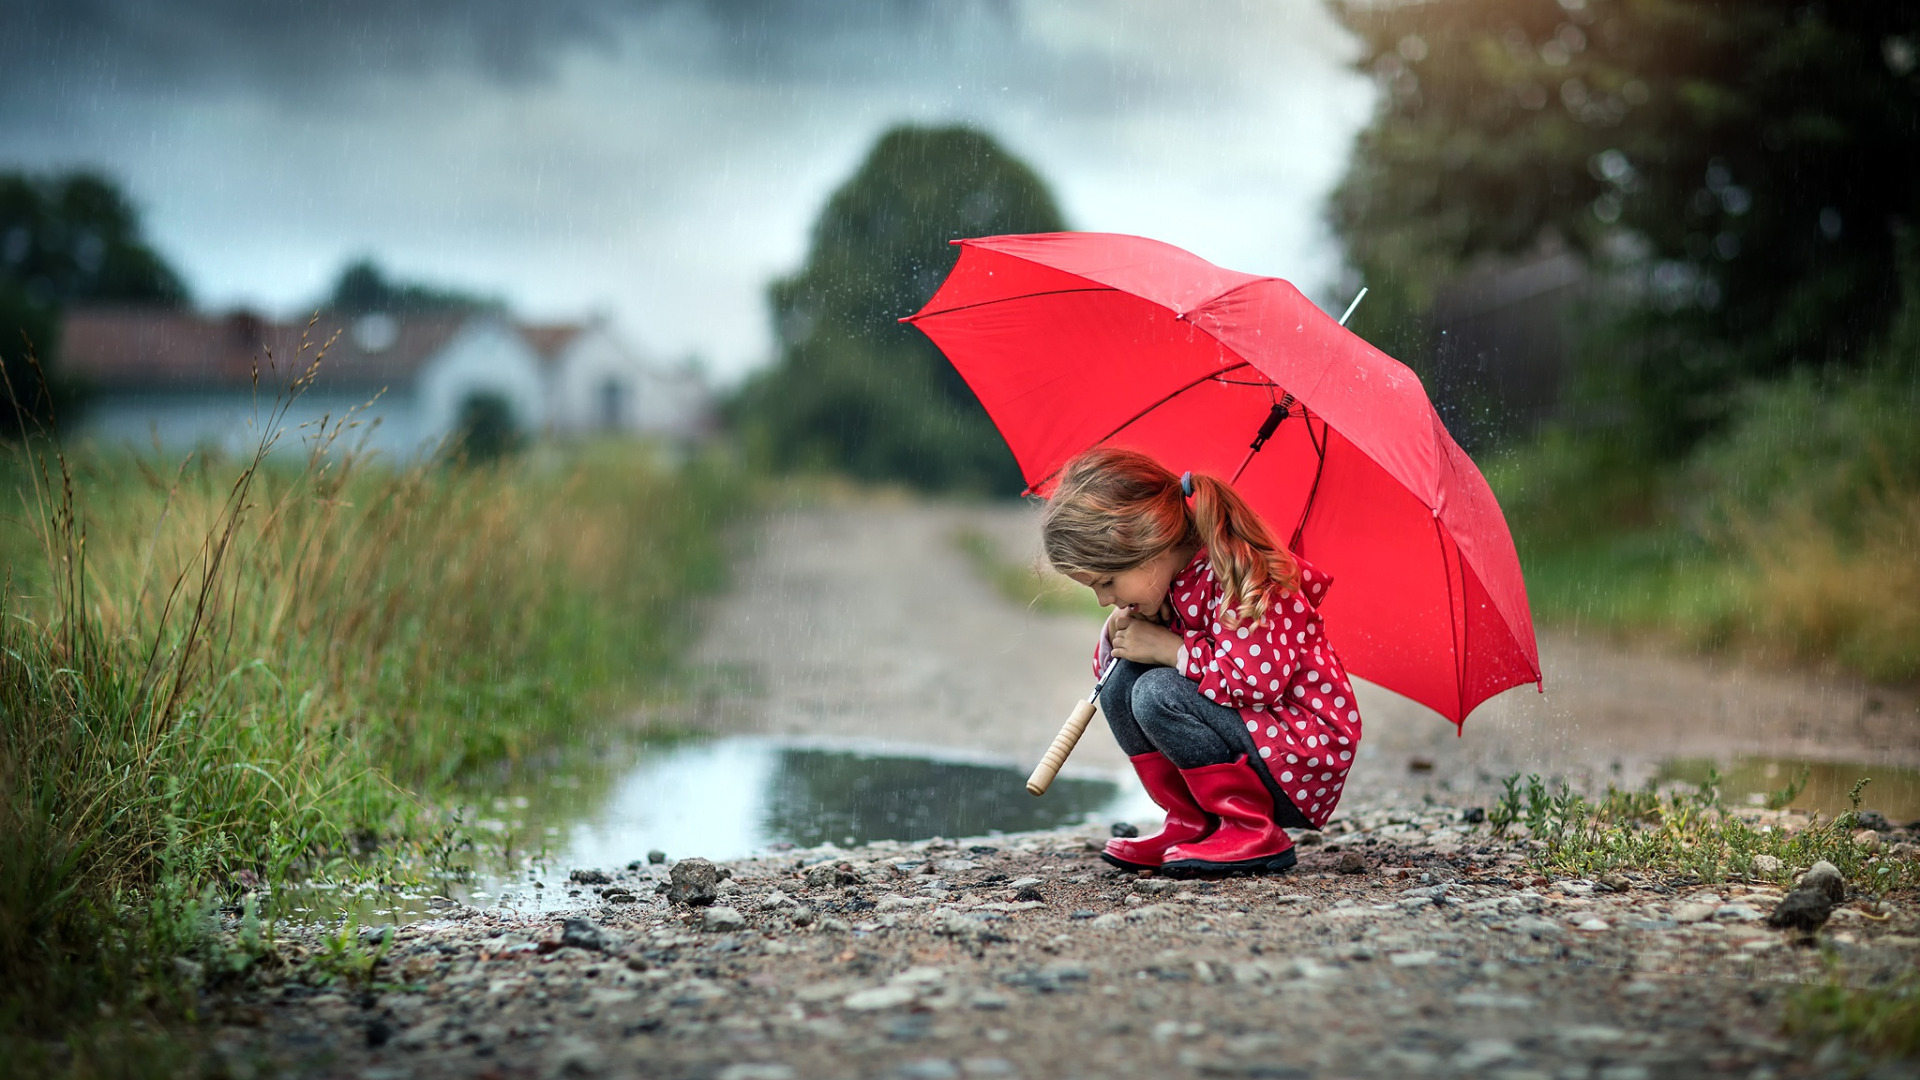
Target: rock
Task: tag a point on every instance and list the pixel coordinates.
(1418, 958)
(720, 919)
(1082, 913)
(1030, 893)
(1825, 877)
(656, 856)
(582, 934)
(873, 999)
(988, 1001)
(191, 972)
(1738, 913)
(1766, 865)
(1873, 819)
(1473, 815)
(589, 877)
(1155, 886)
(618, 895)
(693, 882)
(955, 866)
(756, 1070)
(1593, 925)
(571, 1055)
(1351, 862)
(1124, 830)
(1309, 838)
(1536, 927)
(802, 915)
(1803, 909)
(379, 1032)
(1616, 882)
(927, 1069)
(1693, 913)
(775, 900)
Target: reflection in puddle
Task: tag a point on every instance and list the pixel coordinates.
(1894, 792)
(724, 799)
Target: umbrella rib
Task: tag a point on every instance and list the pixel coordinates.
(919, 315)
(1129, 421)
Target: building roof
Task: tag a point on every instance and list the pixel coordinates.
(551, 339)
(157, 349)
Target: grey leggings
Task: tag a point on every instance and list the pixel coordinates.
(1156, 708)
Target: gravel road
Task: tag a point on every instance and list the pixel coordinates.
(1406, 943)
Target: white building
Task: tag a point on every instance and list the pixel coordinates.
(185, 380)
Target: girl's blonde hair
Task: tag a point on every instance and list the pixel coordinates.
(1115, 509)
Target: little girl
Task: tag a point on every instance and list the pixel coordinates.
(1228, 699)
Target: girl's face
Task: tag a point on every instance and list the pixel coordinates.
(1143, 587)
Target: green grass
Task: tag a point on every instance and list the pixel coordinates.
(1029, 586)
(248, 671)
(1878, 1013)
(1688, 832)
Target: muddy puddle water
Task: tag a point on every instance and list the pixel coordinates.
(718, 799)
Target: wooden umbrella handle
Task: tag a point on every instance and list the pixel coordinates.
(1063, 745)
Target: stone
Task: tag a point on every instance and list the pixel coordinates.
(1766, 865)
(722, 919)
(801, 915)
(589, 877)
(1309, 838)
(756, 1070)
(693, 883)
(1693, 913)
(656, 856)
(1124, 830)
(1419, 958)
(775, 900)
(1802, 909)
(1351, 862)
(1825, 877)
(1536, 927)
(1593, 925)
(1873, 819)
(873, 999)
(927, 1069)
(582, 934)
(1616, 882)
(571, 1055)
(1030, 893)
(1473, 815)
(617, 895)
(1738, 913)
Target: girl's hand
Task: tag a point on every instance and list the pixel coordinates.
(1137, 638)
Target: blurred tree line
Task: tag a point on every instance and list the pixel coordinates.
(64, 239)
(851, 388)
(1738, 175)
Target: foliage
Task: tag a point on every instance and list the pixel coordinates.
(67, 238)
(1882, 1018)
(364, 288)
(1685, 833)
(1030, 585)
(1737, 169)
(852, 388)
(484, 431)
(241, 671)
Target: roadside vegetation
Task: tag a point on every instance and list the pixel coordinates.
(226, 673)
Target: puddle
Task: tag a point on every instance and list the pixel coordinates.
(722, 799)
(1894, 792)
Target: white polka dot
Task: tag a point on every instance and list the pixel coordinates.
(1346, 755)
(1254, 649)
(1265, 667)
(1303, 793)
(1353, 717)
(1326, 688)
(1299, 691)
(1253, 725)
(1343, 740)
(1209, 693)
(1272, 732)
(1298, 607)
(1286, 778)
(1274, 685)
(1339, 702)
(1313, 763)
(1315, 806)
(1316, 703)
(1313, 676)
(1293, 759)
(1266, 751)
(1319, 791)
(1300, 638)
(1193, 609)
(1326, 776)
(1241, 633)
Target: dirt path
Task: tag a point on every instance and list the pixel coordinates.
(866, 621)
(1407, 944)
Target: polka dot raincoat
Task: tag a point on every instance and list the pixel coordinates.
(1283, 677)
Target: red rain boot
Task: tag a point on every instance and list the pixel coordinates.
(1185, 820)
(1247, 841)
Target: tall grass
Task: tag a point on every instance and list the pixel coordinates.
(239, 670)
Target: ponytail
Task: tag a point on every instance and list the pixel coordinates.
(1250, 564)
(1115, 509)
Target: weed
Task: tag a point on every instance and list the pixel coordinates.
(1881, 1017)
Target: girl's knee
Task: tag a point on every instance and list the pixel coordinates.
(1156, 695)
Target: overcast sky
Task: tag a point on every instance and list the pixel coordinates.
(661, 160)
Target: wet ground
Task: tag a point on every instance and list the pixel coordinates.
(865, 690)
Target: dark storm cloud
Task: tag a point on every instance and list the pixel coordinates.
(299, 51)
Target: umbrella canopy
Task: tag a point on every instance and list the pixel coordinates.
(1073, 340)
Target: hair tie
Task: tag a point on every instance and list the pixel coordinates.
(1186, 484)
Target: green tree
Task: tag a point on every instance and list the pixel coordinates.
(363, 287)
(854, 390)
(1740, 173)
(64, 239)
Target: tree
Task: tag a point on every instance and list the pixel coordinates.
(363, 288)
(70, 238)
(1741, 173)
(854, 390)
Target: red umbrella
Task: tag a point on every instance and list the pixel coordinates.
(1073, 340)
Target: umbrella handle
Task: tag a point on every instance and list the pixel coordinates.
(1063, 745)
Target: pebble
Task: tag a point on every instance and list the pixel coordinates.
(1738, 913)
(1351, 862)
(1766, 865)
(693, 882)
(589, 877)
(756, 1070)
(1593, 926)
(1693, 913)
(875, 998)
(582, 934)
(1124, 830)
(1825, 877)
(721, 919)
(656, 856)
(1419, 958)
